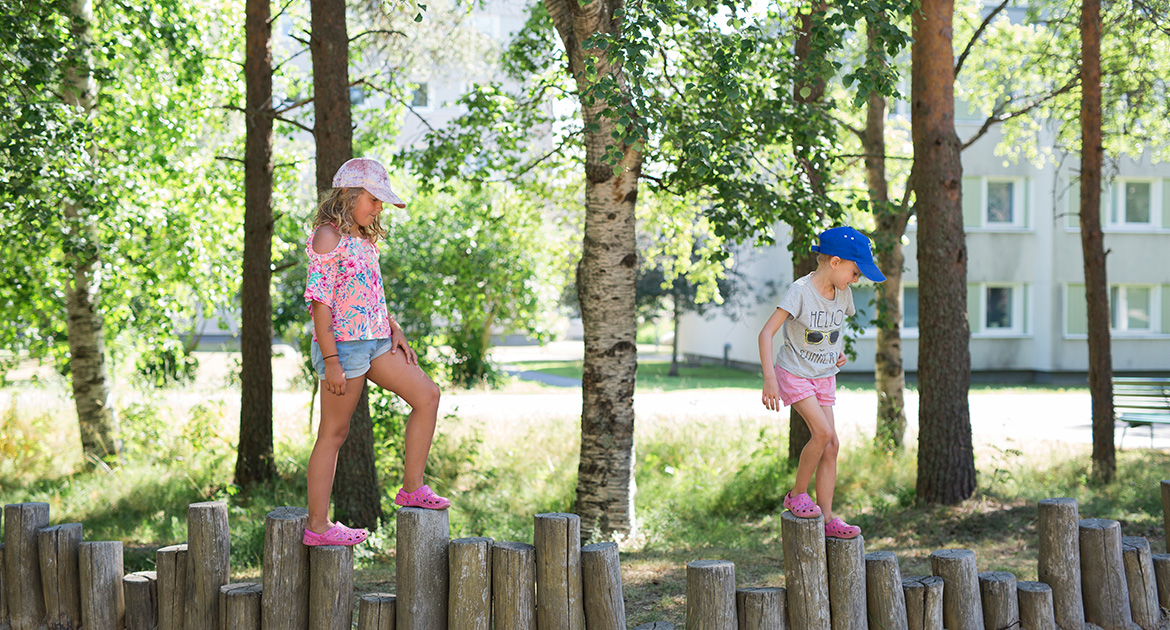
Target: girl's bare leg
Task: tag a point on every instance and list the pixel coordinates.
(393, 373)
(335, 414)
(823, 434)
(827, 469)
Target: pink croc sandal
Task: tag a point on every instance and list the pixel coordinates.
(838, 528)
(338, 534)
(801, 505)
(424, 497)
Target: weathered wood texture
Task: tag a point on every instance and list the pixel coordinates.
(1139, 579)
(997, 595)
(422, 539)
(1036, 611)
(656, 625)
(1166, 511)
(470, 568)
(240, 606)
(805, 571)
(103, 603)
(559, 603)
(884, 600)
(961, 606)
(1162, 577)
(4, 625)
(376, 612)
(1103, 575)
(711, 595)
(924, 602)
(513, 586)
(846, 562)
(60, 575)
(22, 569)
(140, 592)
(1059, 562)
(171, 567)
(601, 587)
(763, 608)
(284, 599)
(208, 562)
(331, 588)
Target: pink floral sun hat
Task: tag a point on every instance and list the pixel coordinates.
(369, 174)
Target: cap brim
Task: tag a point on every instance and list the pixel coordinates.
(385, 195)
(870, 270)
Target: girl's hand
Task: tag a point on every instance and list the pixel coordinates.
(334, 378)
(841, 360)
(400, 342)
(771, 396)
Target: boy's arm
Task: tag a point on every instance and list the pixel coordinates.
(322, 325)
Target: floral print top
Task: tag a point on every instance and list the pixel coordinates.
(349, 281)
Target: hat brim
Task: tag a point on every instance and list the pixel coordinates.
(870, 270)
(385, 195)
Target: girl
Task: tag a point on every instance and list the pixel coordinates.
(354, 338)
(812, 315)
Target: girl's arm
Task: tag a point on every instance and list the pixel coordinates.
(771, 396)
(322, 325)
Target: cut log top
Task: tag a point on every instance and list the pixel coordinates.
(880, 556)
(1134, 543)
(288, 513)
(1034, 587)
(1060, 501)
(1098, 523)
(713, 565)
(953, 554)
(509, 545)
(241, 589)
(921, 581)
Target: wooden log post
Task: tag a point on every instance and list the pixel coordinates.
(1036, 611)
(422, 540)
(171, 568)
(999, 599)
(805, 571)
(208, 562)
(140, 592)
(22, 569)
(846, 565)
(711, 595)
(1059, 562)
(763, 608)
(884, 600)
(103, 602)
(656, 625)
(60, 575)
(1166, 511)
(1139, 579)
(1162, 577)
(962, 609)
(470, 567)
(559, 603)
(601, 586)
(924, 602)
(240, 606)
(1103, 575)
(376, 612)
(514, 586)
(331, 587)
(284, 598)
(4, 625)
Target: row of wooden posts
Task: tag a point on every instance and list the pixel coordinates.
(51, 579)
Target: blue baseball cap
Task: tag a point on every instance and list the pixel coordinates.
(847, 243)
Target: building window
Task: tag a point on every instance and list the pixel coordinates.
(1000, 203)
(1001, 309)
(910, 307)
(865, 302)
(1129, 308)
(995, 203)
(1132, 204)
(421, 97)
(357, 95)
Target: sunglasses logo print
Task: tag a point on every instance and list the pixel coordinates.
(817, 337)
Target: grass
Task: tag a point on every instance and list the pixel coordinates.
(653, 376)
(709, 487)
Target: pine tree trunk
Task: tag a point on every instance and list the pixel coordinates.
(87, 347)
(1093, 245)
(356, 492)
(946, 465)
(889, 374)
(676, 316)
(254, 461)
(605, 288)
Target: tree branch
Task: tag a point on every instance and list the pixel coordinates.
(294, 123)
(860, 133)
(998, 116)
(395, 97)
(279, 13)
(226, 158)
(298, 54)
(978, 32)
(376, 31)
(559, 148)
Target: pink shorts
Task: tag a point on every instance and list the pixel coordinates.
(795, 388)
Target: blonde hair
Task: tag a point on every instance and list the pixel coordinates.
(336, 209)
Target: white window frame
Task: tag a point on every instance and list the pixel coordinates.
(1018, 327)
(430, 106)
(1018, 202)
(1117, 205)
(870, 332)
(1123, 302)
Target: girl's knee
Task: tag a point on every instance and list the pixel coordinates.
(833, 447)
(431, 397)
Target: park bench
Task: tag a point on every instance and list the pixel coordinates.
(1141, 401)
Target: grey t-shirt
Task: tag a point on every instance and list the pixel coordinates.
(813, 334)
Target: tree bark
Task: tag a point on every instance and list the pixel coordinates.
(254, 462)
(606, 279)
(676, 316)
(889, 373)
(946, 465)
(87, 346)
(1093, 245)
(356, 493)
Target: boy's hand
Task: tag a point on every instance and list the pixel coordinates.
(334, 378)
(841, 360)
(771, 395)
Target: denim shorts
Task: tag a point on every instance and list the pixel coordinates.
(355, 355)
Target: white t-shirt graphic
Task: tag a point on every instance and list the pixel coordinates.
(813, 335)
